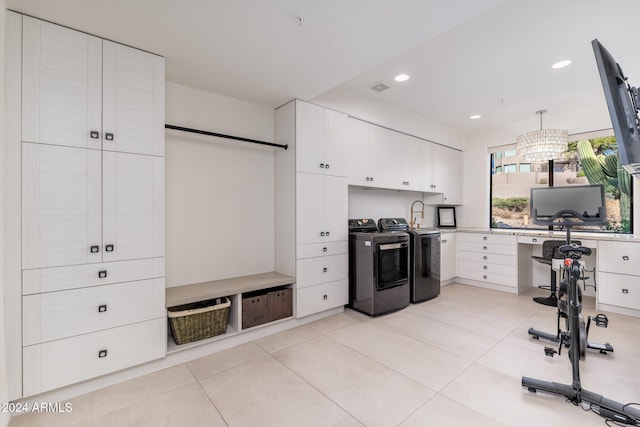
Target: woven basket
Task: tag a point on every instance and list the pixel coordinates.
(199, 320)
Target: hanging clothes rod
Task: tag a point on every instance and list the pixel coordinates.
(222, 135)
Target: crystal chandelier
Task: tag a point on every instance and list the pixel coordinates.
(542, 145)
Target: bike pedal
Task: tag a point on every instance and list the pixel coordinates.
(548, 351)
(601, 320)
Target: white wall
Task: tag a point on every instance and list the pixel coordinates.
(380, 203)
(4, 417)
(219, 193)
(390, 116)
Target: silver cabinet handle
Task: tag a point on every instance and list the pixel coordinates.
(484, 248)
(324, 296)
(625, 258)
(321, 165)
(324, 270)
(535, 240)
(484, 257)
(484, 237)
(324, 249)
(102, 308)
(484, 267)
(625, 291)
(102, 353)
(484, 277)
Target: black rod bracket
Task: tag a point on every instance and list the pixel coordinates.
(221, 135)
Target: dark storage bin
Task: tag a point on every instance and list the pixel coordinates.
(255, 309)
(280, 302)
(199, 320)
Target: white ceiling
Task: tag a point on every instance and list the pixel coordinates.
(489, 57)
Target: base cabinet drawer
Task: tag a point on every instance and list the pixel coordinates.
(619, 257)
(487, 258)
(56, 315)
(499, 279)
(58, 363)
(487, 248)
(322, 249)
(507, 270)
(315, 299)
(314, 271)
(487, 238)
(619, 290)
(81, 276)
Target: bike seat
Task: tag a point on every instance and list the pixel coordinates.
(571, 248)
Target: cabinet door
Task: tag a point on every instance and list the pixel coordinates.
(335, 208)
(133, 108)
(426, 167)
(133, 206)
(309, 208)
(448, 256)
(61, 85)
(447, 173)
(358, 154)
(61, 206)
(413, 163)
(309, 138)
(380, 150)
(335, 143)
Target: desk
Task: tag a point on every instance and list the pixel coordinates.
(532, 273)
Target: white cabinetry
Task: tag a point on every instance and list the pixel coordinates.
(448, 256)
(369, 152)
(383, 158)
(92, 211)
(619, 277)
(82, 91)
(488, 260)
(446, 173)
(320, 259)
(321, 140)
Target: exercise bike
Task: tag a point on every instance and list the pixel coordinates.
(590, 201)
(562, 337)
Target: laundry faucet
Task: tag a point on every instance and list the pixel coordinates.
(413, 219)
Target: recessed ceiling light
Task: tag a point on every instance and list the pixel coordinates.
(561, 64)
(475, 116)
(402, 77)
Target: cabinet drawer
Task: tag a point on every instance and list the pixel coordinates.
(313, 271)
(58, 363)
(487, 238)
(80, 276)
(507, 270)
(314, 299)
(620, 290)
(619, 257)
(499, 279)
(322, 249)
(487, 258)
(64, 314)
(488, 248)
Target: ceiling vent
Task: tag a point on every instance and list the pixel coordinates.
(379, 87)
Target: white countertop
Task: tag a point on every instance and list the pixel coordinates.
(554, 234)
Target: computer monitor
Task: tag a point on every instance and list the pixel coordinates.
(572, 204)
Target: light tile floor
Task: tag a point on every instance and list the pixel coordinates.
(454, 361)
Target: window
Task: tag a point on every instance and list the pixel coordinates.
(592, 161)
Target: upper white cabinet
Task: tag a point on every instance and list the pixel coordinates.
(446, 173)
(81, 91)
(321, 141)
(383, 158)
(370, 151)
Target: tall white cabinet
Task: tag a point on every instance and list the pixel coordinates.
(311, 205)
(90, 145)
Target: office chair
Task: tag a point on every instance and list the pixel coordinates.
(549, 253)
